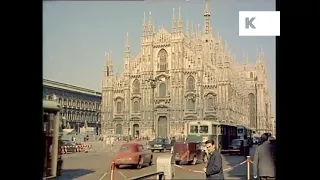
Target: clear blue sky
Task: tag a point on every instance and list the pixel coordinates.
(77, 33)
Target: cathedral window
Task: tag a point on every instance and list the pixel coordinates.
(118, 107)
(191, 104)
(251, 75)
(162, 90)
(163, 64)
(190, 83)
(210, 102)
(107, 71)
(136, 86)
(136, 106)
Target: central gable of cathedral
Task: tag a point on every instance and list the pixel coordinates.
(163, 35)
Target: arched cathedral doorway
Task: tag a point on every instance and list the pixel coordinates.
(118, 129)
(136, 130)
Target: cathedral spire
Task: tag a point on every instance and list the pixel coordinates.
(192, 29)
(150, 29)
(144, 26)
(180, 22)
(127, 55)
(127, 52)
(108, 70)
(174, 26)
(207, 15)
(187, 28)
(261, 54)
(245, 57)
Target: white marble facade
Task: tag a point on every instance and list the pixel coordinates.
(197, 77)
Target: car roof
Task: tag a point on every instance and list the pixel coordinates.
(131, 144)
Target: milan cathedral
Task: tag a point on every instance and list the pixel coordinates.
(183, 74)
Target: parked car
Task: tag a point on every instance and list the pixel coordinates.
(159, 144)
(133, 154)
(70, 146)
(189, 152)
(239, 147)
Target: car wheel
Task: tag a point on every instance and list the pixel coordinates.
(150, 162)
(194, 160)
(139, 165)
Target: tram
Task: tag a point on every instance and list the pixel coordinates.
(51, 128)
(203, 130)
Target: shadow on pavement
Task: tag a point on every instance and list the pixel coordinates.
(132, 167)
(239, 172)
(74, 173)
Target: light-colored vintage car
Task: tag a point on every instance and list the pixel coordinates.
(133, 154)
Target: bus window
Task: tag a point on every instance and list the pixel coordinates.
(193, 129)
(240, 131)
(204, 129)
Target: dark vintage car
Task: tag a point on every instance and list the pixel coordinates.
(70, 146)
(133, 154)
(189, 152)
(159, 144)
(239, 147)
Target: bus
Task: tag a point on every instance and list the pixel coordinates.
(244, 132)
(203, 130)
(51, 128)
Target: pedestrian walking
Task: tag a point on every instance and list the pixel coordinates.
(213, 170)
(263, 160)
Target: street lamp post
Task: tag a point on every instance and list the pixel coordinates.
(153, 83)
(256, 89)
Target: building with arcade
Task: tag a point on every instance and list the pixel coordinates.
(80, 105)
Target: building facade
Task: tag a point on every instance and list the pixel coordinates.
(80, 105)
(181, 75)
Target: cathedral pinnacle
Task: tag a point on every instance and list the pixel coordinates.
(127, 48)
(207, 18)
(173, 21)
(245, 57)
(260, 55)
(150, 29)
(180, 22)
(144, 26)
(108, 69)
(187, 28)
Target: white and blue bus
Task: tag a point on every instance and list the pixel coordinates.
(244, 132)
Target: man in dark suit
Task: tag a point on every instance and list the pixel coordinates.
(214, 166)
(263, 161)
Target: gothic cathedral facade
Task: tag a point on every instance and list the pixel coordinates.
(182, 75)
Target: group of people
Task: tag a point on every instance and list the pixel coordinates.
(263, 161)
